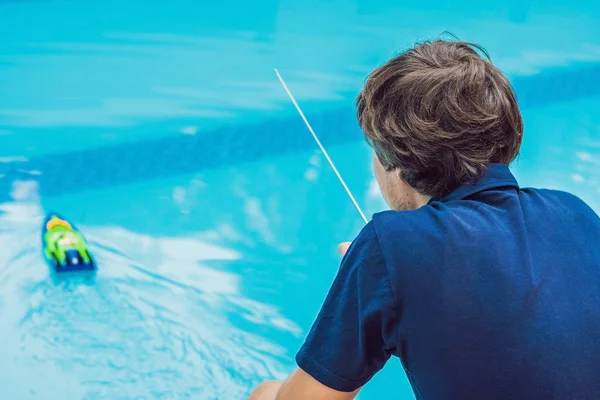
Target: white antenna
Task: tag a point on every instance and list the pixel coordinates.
(321, 146)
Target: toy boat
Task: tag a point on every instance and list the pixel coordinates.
(65, 248)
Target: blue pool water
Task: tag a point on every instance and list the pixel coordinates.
(161, 130)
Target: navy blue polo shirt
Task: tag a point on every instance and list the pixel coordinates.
(491, 292)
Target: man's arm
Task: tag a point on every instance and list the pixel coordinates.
(354, 334)
(299, 386)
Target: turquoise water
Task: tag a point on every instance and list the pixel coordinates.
(161, 130)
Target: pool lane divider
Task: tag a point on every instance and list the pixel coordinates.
(60, 174)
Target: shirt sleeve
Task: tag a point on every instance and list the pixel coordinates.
(355, 332)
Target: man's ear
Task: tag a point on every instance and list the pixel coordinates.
(398, 172)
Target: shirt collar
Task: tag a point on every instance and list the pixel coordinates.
(496, 175)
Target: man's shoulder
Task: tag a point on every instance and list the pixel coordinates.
(550, 193)
(404, 222)
(408, 233)
(559, 201)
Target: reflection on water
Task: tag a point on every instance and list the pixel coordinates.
(204, 65)
(561, 149)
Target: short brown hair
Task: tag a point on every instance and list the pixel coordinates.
(441, 113)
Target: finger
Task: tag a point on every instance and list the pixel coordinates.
(343, 248)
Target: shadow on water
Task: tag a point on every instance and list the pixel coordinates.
(87, 278)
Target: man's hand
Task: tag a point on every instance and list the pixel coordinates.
(343, 248)
(299, 386)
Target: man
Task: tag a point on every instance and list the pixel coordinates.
(484, 290)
